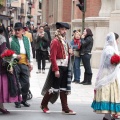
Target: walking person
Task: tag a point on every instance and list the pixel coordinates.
(21, 45)
(85, 54)
(75, 44)
(47, 30)
(57, 80)
(107, 87)
(41, 49)
(5, 86)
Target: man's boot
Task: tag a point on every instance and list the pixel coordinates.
(85, 79)
(44, 103)
(65, 108)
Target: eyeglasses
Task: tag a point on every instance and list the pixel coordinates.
(17, 29)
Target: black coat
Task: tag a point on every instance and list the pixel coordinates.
(43, 41)
(86, 45)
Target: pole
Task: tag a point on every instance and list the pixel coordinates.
(83, 21)
(83, 16)
(10, 13)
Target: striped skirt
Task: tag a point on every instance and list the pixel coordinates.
(107, 99)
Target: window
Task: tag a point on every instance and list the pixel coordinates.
(40, 4)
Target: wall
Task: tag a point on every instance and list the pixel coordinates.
(92, 9)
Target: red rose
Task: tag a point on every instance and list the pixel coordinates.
(7, 53)
(115, 59)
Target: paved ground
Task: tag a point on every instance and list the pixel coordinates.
(80, 101)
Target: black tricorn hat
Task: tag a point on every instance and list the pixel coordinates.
(62, 25)
(18, 25)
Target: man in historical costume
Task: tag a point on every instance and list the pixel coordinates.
(21, 45)
(58, 80)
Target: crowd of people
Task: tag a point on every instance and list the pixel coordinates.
(66, 58)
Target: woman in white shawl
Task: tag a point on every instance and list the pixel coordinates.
(107, 87)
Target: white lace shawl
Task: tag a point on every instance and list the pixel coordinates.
(107, 72)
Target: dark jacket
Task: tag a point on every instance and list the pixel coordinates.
(86, 45)
(42, 43)
(49, 36)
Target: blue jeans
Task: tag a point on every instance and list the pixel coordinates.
(76, 68)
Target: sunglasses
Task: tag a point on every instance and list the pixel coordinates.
(17, 29)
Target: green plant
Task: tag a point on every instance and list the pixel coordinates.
(30, 16)
(1, 6)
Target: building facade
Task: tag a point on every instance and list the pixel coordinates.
(4, 18)
(26, 11)
(100, 18)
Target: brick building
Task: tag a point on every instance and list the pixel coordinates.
(67, 10)
(101, 17)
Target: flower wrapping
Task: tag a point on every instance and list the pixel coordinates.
(115, 59)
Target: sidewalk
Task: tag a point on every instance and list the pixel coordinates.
(80, 101)
(80, 93)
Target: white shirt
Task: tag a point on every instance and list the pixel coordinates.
(22, 49)
(62, 62)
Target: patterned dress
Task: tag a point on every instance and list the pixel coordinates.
(107, 87)
(4, 84)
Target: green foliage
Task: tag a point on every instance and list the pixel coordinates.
(30, 16)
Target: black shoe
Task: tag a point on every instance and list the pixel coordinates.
(73, 81)
(77, 82)
(113, 119)
(25, 104)
(17, 105)
(87, 83)
(82, 82)
(105, 118)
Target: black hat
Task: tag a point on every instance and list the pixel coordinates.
(18, 25)
(62, 25)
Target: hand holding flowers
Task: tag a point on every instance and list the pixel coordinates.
(7, 56)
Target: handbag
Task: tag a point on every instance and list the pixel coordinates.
(76, 53)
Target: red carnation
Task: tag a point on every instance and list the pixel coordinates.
(7, 53)
(115, 59)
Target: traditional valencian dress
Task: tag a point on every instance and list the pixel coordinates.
(5, 95)
(107, 87)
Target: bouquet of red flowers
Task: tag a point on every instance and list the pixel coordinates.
(115, 59)
(7, 56)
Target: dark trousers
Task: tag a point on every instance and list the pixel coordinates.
(23, 76)
(39, 64)
(86, 63)
(33, 51)
(41, 57)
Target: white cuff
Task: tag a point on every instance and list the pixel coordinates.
(15, 55)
